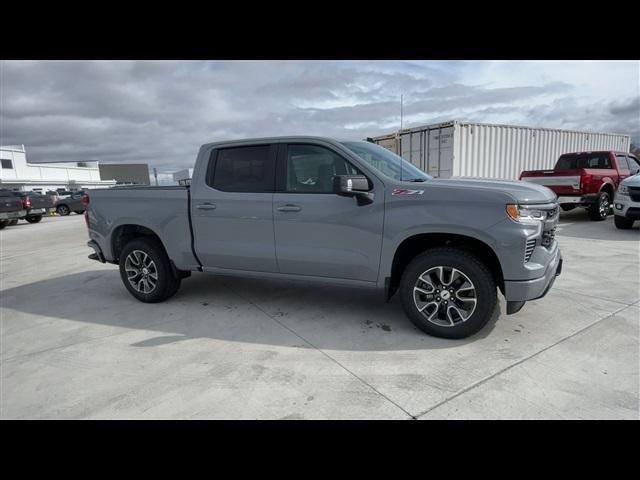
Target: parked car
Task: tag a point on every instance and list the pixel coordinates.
(627, 202)
(586, 179)
(350, 213)
(72, 203)
(35, 205)
(11, 208)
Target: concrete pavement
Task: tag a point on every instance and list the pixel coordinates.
(75, 344)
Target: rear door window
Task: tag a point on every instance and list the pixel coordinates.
(243, 169)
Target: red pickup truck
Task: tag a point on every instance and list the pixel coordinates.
(586, 179)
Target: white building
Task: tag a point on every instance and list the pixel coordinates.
(183, 177)
(18, 174)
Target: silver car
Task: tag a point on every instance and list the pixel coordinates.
(627, 202)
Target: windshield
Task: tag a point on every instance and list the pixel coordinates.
(387, 162)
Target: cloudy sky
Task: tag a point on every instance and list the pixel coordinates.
(160, 112)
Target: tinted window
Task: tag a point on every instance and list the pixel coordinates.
(594, 160)
(622, 162)
(7, 163)
(244, 169)
(311, 168)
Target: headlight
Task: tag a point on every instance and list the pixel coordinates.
(623, 190)
(524, 214)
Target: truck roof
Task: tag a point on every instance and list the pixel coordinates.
(277, 139)
(595, 151)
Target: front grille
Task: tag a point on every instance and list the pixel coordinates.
(634, 193)
(547, 237)
(528, 251)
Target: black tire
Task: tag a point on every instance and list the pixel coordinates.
(599, 210)
(567, 208)
(473, 268)
(63, 210)
(3, 223)
(622, 223)
(13, 222)
(167, 283)
(79, 212)
(34, 219)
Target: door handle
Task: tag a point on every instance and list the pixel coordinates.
(289, 208)
(205, 206)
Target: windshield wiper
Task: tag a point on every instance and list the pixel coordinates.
(415, 180)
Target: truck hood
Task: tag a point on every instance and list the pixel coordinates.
(632, 181)
(522, 192)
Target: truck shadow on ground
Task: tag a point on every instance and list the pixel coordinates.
(271, 312)
(577, 224)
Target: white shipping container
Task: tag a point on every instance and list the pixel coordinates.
(465, 149)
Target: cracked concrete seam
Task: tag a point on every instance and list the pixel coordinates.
(519, 362)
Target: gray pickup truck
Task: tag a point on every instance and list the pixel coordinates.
(11, 208)
(350, 213)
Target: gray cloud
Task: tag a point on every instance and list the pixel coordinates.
(160, 112)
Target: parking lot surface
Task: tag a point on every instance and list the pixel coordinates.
(76, 345)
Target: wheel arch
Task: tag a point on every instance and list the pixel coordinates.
(609, 187)
(415, 244)
(124, 233)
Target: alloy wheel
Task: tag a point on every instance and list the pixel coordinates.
(445, 296)
(142, 273)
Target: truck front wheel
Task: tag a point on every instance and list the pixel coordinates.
(448, 292)
(146, 271)
(600, 208)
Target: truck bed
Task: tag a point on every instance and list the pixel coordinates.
(569, 181)
(40, 201)
(163, 210)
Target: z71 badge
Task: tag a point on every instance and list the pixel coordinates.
(405, 191)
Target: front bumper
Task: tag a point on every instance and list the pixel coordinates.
(625, 207)
(522, 291)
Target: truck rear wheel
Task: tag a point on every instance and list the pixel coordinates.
(34, 218)
(599, 210)
(146, 271)
(448, 292)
